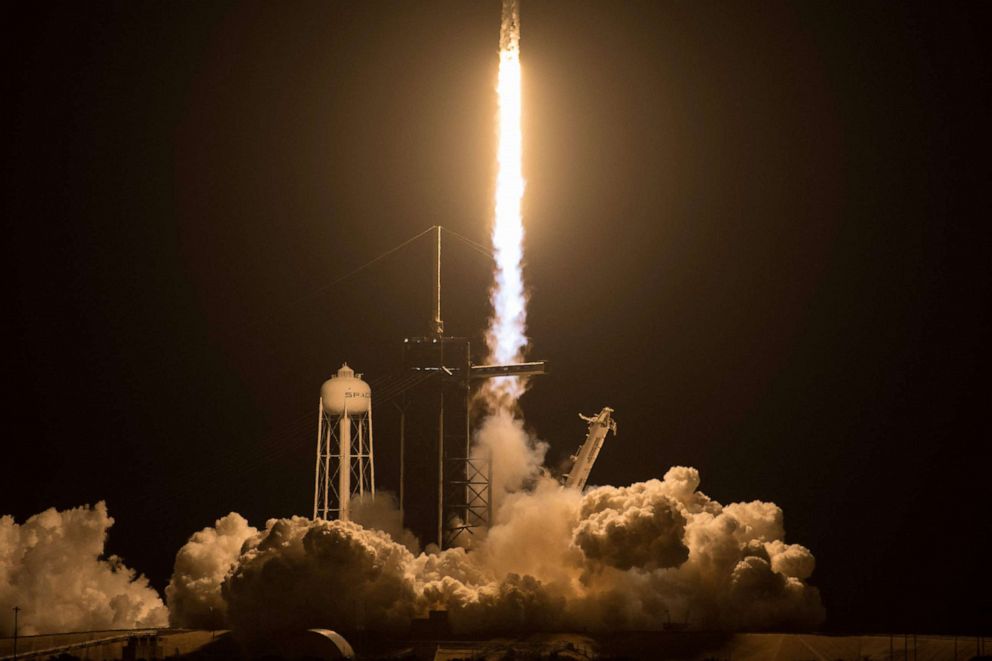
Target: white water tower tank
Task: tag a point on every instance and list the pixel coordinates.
(345, 391)
(344, 467)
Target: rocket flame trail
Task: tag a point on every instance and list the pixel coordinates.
(506, 336)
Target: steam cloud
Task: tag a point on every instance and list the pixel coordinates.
(52, 567)
(201, 566)
(632, 557)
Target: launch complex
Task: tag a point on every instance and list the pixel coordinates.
(445, 485)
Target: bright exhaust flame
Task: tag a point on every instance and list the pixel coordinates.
(506, 336)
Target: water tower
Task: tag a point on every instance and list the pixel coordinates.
(345, 466)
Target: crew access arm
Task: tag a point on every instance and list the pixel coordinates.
(583, 460)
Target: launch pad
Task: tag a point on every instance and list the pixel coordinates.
(445, 491)
(445, 484)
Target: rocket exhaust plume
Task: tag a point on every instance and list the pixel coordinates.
(506, 338)
(610, 559)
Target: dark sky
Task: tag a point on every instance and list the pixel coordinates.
(752, 229)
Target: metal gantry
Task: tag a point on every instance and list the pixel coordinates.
(444, 484)
(436, 415)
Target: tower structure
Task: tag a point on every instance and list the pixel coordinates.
(450, 486)
(345, 464)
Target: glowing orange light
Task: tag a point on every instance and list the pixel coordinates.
(506, 336)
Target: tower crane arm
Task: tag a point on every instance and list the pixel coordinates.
(583, 460)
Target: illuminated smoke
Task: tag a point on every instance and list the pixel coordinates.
(614, 558)
(383, 513)
(517, 458)
(506, 336)
(53, 567)
(201, 566)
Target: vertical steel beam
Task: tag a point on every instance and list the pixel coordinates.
(440, 468)
(402, 449)
(344, 471)
(467, 372)
(327, 464)
(371, 453)
(361, 457)
(316, 467)
(437, 326)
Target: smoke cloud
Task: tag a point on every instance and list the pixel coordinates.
(634, 557)
(517, 458)
(201, 566)
(637, 526)
(300, 573)
(382, 513)
(53, 567)
(612, 558)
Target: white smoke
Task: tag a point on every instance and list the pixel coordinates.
(300, 573)
(53, 567)
(637, 526)
(633, 557)
(517, 458)
(382, 513)
(201, 566)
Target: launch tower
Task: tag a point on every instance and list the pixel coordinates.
(450, 487)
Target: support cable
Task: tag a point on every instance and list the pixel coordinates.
(478, 247)
(297, 432)
(355, 271)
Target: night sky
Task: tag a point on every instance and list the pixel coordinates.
(752, 229)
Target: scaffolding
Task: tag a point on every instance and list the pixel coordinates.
(439, 407)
